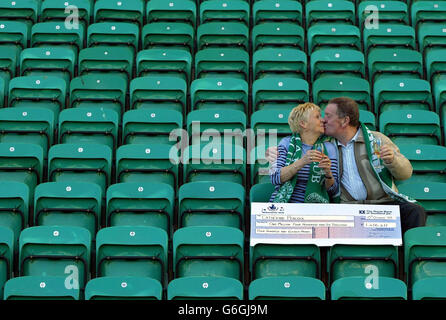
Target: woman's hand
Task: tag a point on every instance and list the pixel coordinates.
(311, 156)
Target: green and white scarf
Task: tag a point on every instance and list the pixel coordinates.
(315, 191)
(384, 176)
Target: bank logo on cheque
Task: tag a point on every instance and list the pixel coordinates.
(273, 208)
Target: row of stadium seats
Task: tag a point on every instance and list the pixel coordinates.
(131, 252)
(222, 62)
(140, 12)
(223, 34)
(199, 288)
(141, 126)
(110, 91)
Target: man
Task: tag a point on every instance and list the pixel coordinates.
(360, 182)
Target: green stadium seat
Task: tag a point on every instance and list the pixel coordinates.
(439, 92)
(222, 35)
(333, 36)
(2, 92)
(218, 11)
(435, 65)
(123, 288)
(14, 208)
(432, 288)
(119, 11)
(106, 34)
(89, 125)
(14, 34)
(106, 91)
(24, 11)
(48, 61)
(277, 11)
(214, 162)
(28, 125)
(169, 62)
(106, 60)
(140, 204)
(368, 118)
(55, 10)
(411, 127)
(353, 260)
(290, 260)
(39, 288)
(21, 162)
(327, 12)
(80, 162)
(279, 93)
(389, 35)
(261, 192)
(55, 250)
(143, 126)
(8, 66)
(77, 204)
(279, 62)
(168, 35)
(216, 93)
(175, 11)
(259, 166)
(346, 62)
(269, 127)
(428, 162)
(354, 288)
(402, 94)
(425, 254)
(430, 195)
(209, 251)
(218, 126)
(287, 288)
(395, 63)
(143, 162)
(277, 35)
(6, 256)
(56, 33)
(388, 12)
(154, 92)
(222, 62)
(209, 288)
(427, 12)
(38, 91)
(216, 203)
(431, 37)
(139, 251)
(330, 87)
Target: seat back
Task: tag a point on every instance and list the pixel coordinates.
(132, 251)
(71, 204)
(80, 162)
(214, 203)
(56, 251)
(211, 251)
(141, 204)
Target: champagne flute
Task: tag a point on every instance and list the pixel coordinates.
(377, 143)
(320, 148)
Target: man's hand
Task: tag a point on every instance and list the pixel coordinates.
(325, 164)
(387, 154)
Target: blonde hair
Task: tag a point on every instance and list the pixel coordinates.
(300, 113)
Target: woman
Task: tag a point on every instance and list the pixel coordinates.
(306, 166)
